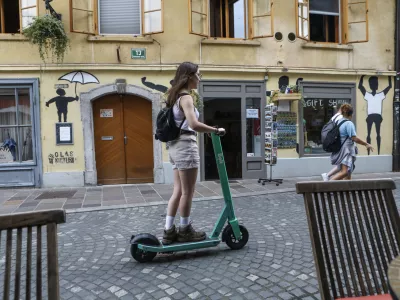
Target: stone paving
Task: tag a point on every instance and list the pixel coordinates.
(100, 197)
(277, 263)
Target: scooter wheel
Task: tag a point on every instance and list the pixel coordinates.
(230, 239)
(145, 239)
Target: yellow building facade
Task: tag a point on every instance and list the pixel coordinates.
(91, 119)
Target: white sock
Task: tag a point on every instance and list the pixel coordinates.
(169, 222)
(185, 221)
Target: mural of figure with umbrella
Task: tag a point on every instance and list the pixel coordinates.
(61, 103)
(61, 100)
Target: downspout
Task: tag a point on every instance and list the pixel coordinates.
(396, 99)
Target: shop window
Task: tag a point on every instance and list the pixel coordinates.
(121, 17)
(15, 126)
(332, 21)
(316, 113)
(15, 15)
(238, 19)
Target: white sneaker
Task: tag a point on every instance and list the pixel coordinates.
(325, 177)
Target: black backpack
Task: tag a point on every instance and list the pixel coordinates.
(166, 127)
(330, 136)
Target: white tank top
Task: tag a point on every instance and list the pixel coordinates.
(179, 115)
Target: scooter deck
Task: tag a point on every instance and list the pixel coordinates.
(175, 247)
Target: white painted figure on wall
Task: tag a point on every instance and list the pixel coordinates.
(374, 106)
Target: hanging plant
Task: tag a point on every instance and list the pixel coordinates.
(48, 33)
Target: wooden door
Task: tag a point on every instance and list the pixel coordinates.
(123, 140)
(109, 140)
(139, 140)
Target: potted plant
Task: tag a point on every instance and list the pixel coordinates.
(47, 32)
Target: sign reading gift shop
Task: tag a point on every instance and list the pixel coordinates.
(138, 53)
(318, 102)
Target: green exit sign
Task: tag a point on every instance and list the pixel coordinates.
(139, 53)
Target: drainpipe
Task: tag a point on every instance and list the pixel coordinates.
(396, 100)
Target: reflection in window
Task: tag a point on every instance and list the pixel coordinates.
(316, 113)
(15, 126)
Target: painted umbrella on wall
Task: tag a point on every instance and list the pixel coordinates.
(80, 77)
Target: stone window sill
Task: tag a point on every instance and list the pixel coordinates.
(231, 42)
(13, 37)
(329, 46)
(120, 39)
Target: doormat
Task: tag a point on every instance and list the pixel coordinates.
(56, 194)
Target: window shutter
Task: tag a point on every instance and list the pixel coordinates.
(198, 17)
(356, 30)
(28, 10)
(83, 16)
(303, 19)
(120, 17)
(261, 18)
(152, 16)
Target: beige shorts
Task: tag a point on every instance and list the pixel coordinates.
(184, 153)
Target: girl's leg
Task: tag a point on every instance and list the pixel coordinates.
(342, 174)
(186, 233)
(333, 171)
(173, 204)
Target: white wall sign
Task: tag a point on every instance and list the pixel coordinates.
(5, 156)
(65, 134)
(250, 154)
(106, 113)
(252, 113)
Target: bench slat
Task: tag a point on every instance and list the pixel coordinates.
(7, 274)
(32, 219)
(361, 267)
(18, 265)
(52, 262)
(317, 246)
(28, 263)
(344, 185)
(39, 264)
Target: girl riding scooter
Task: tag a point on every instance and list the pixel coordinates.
(184, 154)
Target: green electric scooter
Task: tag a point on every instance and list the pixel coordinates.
(144, 246)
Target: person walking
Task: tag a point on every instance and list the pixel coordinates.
(184, 154)
(336, 118)
(345, 158)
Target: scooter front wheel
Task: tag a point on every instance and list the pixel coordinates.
(144, 239)
(230, 239)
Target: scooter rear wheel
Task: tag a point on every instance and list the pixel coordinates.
(230, 239)
(144, 239)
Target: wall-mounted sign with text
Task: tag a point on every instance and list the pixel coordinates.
(138, 53)
(317, 102)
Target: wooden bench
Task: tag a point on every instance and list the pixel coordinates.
(30, 225)
(355, 233)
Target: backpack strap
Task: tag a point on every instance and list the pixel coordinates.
(179, 106)
(344, 121)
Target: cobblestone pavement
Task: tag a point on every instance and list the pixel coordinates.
(277, 263)
(100, 197)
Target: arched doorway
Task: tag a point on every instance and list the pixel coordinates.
(123, 138)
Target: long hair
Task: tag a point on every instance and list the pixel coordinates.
(181, 81)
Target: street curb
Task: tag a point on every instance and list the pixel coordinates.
(156, 203)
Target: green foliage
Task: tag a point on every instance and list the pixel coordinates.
(48, 33)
